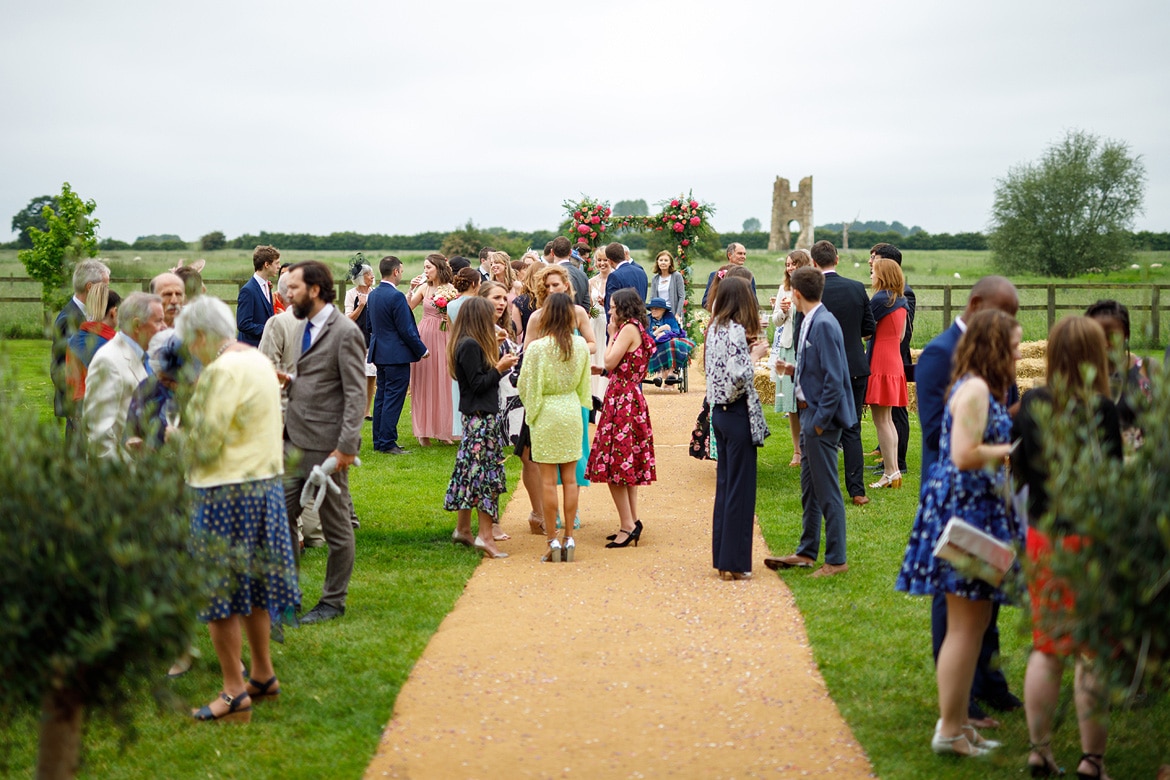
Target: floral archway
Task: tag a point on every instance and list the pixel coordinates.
(592, 224)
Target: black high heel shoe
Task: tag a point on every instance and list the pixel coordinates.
(637, 531)
(1046, 769)
(1092, 758)
(631, 536)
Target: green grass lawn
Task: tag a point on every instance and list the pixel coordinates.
(341, 678)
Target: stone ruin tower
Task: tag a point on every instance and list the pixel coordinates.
(789, 206)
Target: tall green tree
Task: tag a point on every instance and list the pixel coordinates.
(1070, 211)
(751, 225)
(213, 241)
(68, 237)
(32, 215)
(631, 208)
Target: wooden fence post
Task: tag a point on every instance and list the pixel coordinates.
(1051, 306)
(1155, 315)
(946, 307)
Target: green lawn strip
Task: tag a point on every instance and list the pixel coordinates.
(872, 643)
(339, 679)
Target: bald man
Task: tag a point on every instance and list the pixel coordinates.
(933, 375)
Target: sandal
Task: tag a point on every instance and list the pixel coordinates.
(535, 524)
(1096, 760)
(498, 534)
(1046, 769)
(263, 690)
(236, 710)
(795, 459)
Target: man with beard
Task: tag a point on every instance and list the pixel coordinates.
(326, 409)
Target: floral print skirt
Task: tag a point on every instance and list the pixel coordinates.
(478, 478)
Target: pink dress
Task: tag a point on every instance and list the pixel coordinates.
(430, 384)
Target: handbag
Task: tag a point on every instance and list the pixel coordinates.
(974, 553)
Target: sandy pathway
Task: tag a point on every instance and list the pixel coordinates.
(637, 662)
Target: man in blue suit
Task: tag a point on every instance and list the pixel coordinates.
(736, 255)
(254, 303)
(933, 376)
(625, 273)
(394, 345)
(824, 400)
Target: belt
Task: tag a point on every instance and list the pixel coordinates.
(802, 404)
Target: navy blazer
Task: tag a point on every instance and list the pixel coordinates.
(822, 371)
(626, 275)
(67, 323)
(849, 303)
(394, 338)
(252, 311)
(932, 375)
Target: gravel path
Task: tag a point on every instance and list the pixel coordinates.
(638, 662)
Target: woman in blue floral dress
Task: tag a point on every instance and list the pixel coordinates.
(967, 481)
(474, 361)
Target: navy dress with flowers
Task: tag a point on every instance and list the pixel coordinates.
(976, 496)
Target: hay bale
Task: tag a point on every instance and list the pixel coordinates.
(1030, 368)
(765, 387)
(1031, 350)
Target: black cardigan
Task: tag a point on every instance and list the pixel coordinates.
(479, 384)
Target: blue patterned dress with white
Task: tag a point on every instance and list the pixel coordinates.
(977, 496)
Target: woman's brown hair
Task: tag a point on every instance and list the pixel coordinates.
(465, 279)
(1076, 344)
(626, 306)
(557, 321)
(736, 303)
(887, 275)
(716, 280)
(800, 258)
(985, 350)
(505, 320)
(657, 257)
(443, 274)
(475, 322)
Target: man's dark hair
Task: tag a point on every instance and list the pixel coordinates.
(387, 265)
(112, 302)
(548, 249)
(888, 251)
(192, 281)
(263, 255)
(317, 274)
(615, 253)
(824, 254)
(458, 262)
(483, 254)
(561, 247)
(809, 282)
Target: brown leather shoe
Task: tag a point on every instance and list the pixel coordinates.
(829, 569)
(860, 500)
(789, 561)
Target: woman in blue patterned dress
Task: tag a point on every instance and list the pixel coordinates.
(474, 361)
(239, 525)
(967, 481)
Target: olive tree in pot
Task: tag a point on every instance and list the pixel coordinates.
(100, 594)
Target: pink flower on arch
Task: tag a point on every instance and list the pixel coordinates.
(674, 204)
(582, 228)
(686, 242)
(694, 204)
(679, 227)
(595, 219)
(696, 221)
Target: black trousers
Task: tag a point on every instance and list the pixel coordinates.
(902, 425)
(735, 488)
(851, 441)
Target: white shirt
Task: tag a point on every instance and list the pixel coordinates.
(263, 286)
(318, 321)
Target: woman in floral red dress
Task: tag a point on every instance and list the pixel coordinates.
(623, 449)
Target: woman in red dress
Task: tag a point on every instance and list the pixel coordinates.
(623, 448)
(887, 378)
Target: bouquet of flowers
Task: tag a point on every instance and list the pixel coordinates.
(589, 223)
(444, 294)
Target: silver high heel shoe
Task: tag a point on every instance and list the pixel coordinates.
(569, 547)
(958, 745)
(554, 552)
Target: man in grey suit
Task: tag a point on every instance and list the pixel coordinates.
(326, 408)
(563, 256)
(825, 403)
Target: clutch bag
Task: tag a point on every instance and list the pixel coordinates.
(974, 553)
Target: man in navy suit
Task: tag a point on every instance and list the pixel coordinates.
(736, 255)
(254, 304)
(625, 273)
(394, 345)
(933, 376)
(848, 302)
(900, 414)
(825, 403)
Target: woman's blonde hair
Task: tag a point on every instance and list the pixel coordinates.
(476, 321)
(887, 275)
(97, 302)
(540, 286)
(506, 261)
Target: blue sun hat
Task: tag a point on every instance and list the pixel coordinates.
(658, 303)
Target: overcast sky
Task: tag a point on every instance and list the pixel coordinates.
(400, 117)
